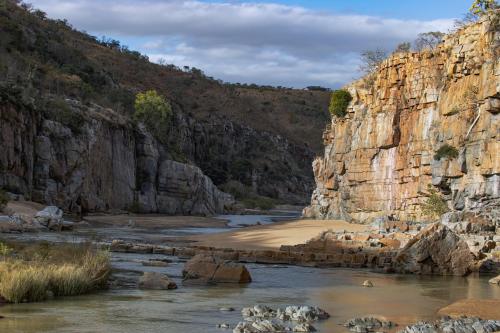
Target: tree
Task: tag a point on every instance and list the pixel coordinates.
(403, 47)
(154, 111)
(480, 7)
(371, 60)
(428, 40)
(339, 102)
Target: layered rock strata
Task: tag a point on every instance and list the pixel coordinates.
(380, 159)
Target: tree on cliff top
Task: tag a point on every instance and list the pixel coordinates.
(428, 40)
(371, 59)
(480, 7)
(155, 112)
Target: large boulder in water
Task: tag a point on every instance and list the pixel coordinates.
(209, 269)
(435, 250)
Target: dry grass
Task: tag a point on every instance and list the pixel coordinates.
(35, 273)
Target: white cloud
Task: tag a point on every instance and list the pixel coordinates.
(246, 42)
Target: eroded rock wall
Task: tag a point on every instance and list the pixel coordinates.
(105, 164)
(379, 159)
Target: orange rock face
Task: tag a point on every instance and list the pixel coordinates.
(379, 159)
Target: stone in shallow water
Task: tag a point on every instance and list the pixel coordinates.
(367, 283)
(258, 326)
(156, 281)
(207, 269)
(448, 325)
(495, 280)
(305, 313)
(304, 327)
(368, 324)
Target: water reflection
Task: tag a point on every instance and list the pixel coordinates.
(191, 308)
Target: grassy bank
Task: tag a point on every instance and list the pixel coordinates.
(36, 272)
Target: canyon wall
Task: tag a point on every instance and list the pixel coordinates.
(380, 159)
(106, 164)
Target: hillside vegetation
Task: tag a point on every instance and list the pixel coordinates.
(246, 137)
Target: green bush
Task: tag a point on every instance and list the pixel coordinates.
(446, 151)
(339, 102)
(4, 200)
(435, 205)
(155, 112)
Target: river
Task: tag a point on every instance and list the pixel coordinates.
(403, 299)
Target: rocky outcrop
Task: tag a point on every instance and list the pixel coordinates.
(380, 158)
(209, 269)
(106, 164)
(435, 250)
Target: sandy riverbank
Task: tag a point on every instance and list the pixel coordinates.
(272, 236)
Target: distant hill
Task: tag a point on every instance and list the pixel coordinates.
(254, 139)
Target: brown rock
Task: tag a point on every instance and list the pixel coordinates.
(209, 269)
(435, 250)
(390, 242)
(156, 281)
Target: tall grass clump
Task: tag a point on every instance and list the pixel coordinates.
(39, 272)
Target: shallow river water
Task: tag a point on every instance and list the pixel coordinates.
(404, 299)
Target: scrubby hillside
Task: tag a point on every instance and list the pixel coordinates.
(420, 136)
(65, 111)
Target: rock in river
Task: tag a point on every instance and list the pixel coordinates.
(50, 217)
(209, 269)
(435, 250)
(495, 280)
(368, 324)
(156, 281)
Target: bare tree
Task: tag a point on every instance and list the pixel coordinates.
(428, 40)
(371, 60)
(403, 47)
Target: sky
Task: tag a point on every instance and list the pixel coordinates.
(292, 43)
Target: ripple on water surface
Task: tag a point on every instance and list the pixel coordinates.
(403, 299)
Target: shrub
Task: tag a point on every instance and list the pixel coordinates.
(339, 102)
(435, 205)
(446, 151)
(4, 200)
(155, 112)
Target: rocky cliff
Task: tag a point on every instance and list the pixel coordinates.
(380, 158)
(66, 135)
(106, 165)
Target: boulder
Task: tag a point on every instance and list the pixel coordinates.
(209, 269)
(495, 280)
(368, 324)
(50, 217)
(156, 281)
(435, 250)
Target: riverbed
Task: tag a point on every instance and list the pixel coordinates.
(123, 308)
(403, 299)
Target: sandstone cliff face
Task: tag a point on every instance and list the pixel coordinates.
(379, 159)
(105, 165)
